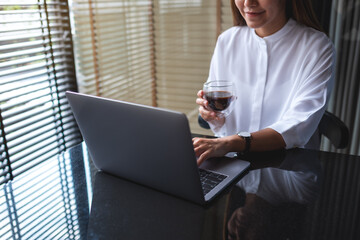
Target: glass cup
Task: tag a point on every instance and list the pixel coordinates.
(219, 94)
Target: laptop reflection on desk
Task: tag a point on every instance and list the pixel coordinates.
(125, 210)
(150, 146)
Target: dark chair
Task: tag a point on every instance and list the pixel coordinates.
(335, 130)
(330, 126)
(203, 123)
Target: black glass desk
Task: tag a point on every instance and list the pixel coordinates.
(293, 194)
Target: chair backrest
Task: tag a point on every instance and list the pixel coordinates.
(203, 123)
(334, 129)
(330, 126)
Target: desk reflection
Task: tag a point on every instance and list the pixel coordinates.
(125, 210)
(48, 201)
(271, 203)
(278, 199)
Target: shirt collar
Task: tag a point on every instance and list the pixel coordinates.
(279, 34)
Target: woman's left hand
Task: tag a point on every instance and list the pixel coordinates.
(210, 147)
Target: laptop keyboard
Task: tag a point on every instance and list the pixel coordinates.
(209, 180)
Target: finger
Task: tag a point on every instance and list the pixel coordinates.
(198, 146)
(204, 113)
(208, 115)
(196, 141)
(201, 102)
(198, 152)
(202, 158)
(200, 93)
(198, 149)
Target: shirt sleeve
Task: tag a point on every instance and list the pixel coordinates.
(301, 120)
(278, 186)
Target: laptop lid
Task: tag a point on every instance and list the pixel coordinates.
(147, 145)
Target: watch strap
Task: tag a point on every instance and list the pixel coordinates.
(247, 137)
(247, 144)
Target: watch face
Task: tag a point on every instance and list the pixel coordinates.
(244, 134)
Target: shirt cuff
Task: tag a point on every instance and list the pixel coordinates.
(289, 134)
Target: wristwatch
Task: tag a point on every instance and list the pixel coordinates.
(247, 137)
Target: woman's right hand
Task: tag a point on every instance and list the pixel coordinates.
(206, 112)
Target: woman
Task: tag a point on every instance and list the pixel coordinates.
(282, 67)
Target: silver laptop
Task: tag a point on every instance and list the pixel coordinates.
(150, 146)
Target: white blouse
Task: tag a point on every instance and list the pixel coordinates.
(279, 186)
(283, 81)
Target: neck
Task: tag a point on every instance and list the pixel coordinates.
(267, 31)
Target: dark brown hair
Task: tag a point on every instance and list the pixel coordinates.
(299, 10)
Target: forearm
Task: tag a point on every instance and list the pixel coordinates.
(264, 140)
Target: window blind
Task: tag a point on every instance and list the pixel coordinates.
(226, 15)
(185, 37)
(114, 49)
(345, 98)
(153, 52)
(36, 68)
